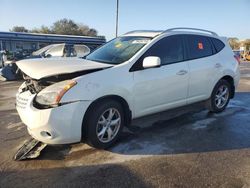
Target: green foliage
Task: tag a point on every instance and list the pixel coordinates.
(19, 29)
(65, 27)
(62, 27)
(43, 29)
(246, 43)
(234, 43)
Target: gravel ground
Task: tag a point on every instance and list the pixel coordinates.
(186, 147)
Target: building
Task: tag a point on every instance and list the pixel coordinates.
(18, 42)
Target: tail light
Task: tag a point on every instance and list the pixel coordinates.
(237, 58)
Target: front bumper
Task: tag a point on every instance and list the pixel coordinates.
(59, 125)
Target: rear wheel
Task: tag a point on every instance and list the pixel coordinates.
(104, 124)
(220, 97)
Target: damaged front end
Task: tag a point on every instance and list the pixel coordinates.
(44, 93)
(30, 149)
(36, 85)
(49, 90)
(39, 104)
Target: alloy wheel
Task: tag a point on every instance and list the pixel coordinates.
(222, 96)
(108, 125)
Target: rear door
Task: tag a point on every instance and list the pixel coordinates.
(204, 67)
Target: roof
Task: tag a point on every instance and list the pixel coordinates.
(16, 36)
(144, 33)
(178, 30)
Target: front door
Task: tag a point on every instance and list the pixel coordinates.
(164, 87)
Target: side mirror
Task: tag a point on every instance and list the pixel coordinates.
(151, 62)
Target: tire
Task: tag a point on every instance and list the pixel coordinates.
(213, 103)
(99, 122)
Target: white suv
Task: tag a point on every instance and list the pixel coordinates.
(140, 73)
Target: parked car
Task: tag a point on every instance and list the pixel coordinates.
(137, 74)
(248, 56)
(11, 72)
(62, 50)
(237, 54)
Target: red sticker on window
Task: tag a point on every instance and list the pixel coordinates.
(200, 46)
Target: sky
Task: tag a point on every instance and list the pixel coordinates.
(226, 17)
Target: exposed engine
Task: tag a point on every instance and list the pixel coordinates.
(35, 86)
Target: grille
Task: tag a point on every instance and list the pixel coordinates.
(21, 102)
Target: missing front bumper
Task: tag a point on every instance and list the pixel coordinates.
(31, 149)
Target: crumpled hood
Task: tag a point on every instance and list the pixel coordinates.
(40, 68)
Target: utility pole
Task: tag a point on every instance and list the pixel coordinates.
(117, 9)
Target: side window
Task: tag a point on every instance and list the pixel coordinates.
(218, 44)
(56, 51)
(67, 51)
(80, 50)
(168, 49)
(198, 46)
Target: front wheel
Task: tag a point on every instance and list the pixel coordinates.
(220, 97)
(104, 124)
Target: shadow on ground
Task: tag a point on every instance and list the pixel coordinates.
(83, 176)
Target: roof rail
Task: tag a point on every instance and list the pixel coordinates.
(194, 29)
(137, 31)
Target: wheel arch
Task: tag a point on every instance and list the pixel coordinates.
(230, 80)
(121, 100)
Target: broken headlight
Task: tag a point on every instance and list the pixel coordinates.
(22, 87)
(52, 94)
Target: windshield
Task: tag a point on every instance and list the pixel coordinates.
(40, 51)
(118, 50)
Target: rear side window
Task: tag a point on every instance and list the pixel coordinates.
(217, 44)
(168, 49)
(198, 46)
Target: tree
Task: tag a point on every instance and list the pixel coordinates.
(65, 27)
(85, 30)
(234, 43)
(69, 27)
(62, 27)
(43, 29)
(92, 32)
(246, 43)
(19, 29)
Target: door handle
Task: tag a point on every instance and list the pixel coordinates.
(182, 72)
(218, 65)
